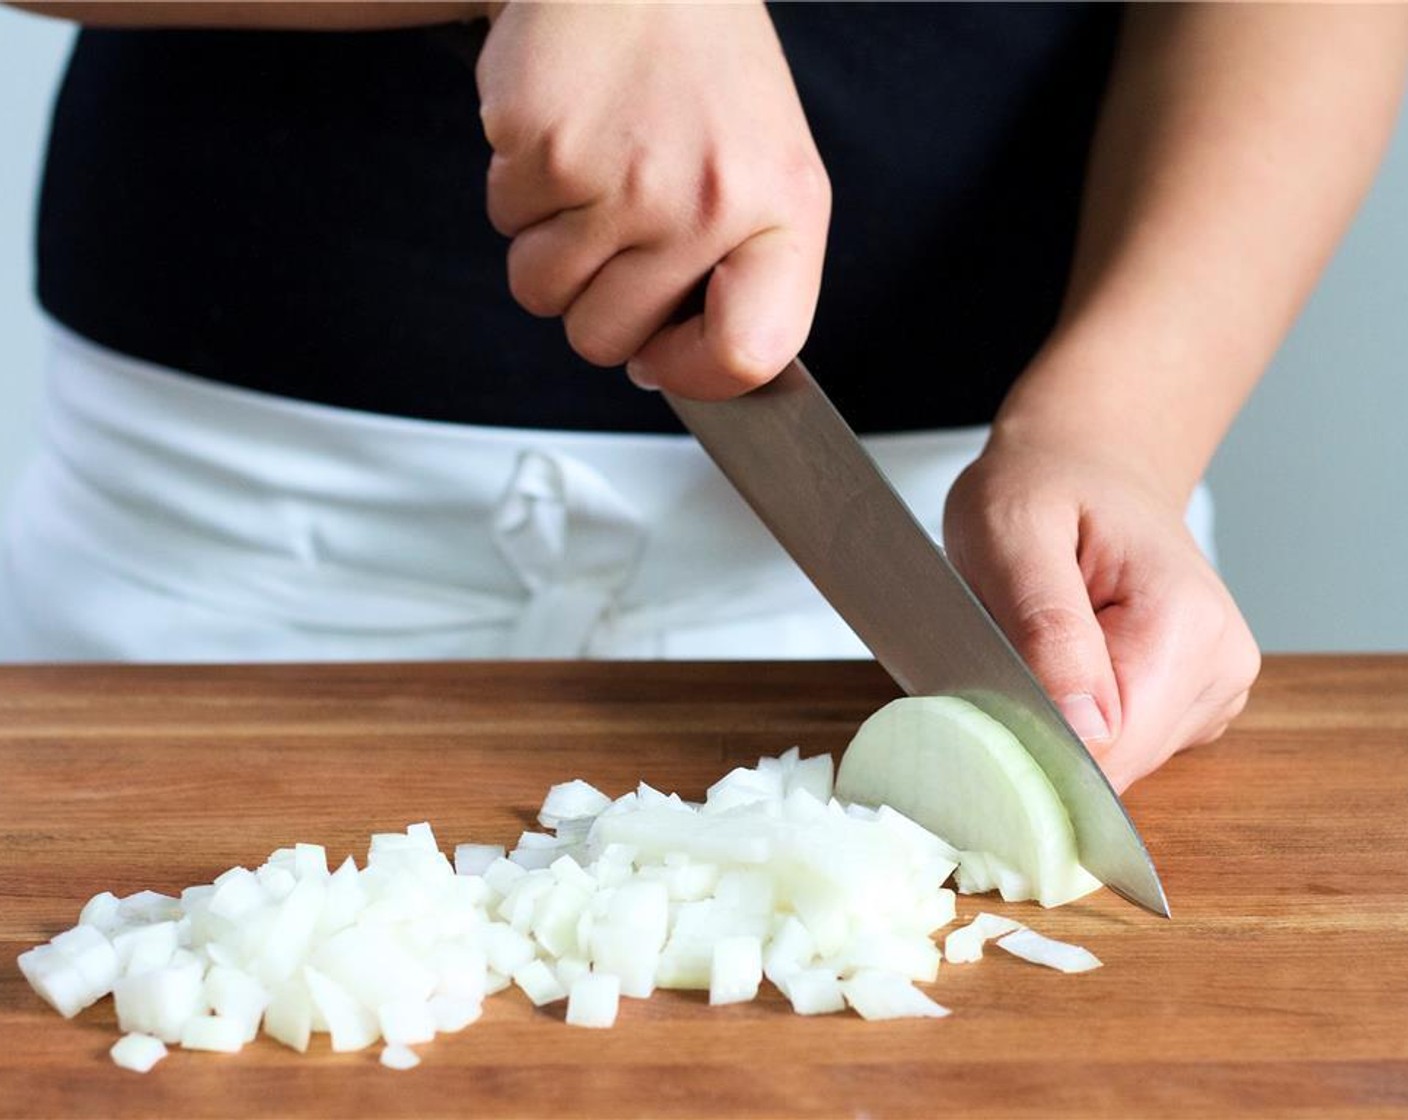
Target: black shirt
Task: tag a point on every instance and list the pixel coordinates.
(303, 213)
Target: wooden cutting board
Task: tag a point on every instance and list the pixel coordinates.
(1279, 989)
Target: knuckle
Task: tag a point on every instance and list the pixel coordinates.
(809, 186)
(595, 342)
(1246, 667)
(532, 288)
(502, 123)
(721, 192)
(743, 365)
(647, 194)
(1049, 628)
(498, 197)
(1203, 738)
(1226, 637)
(557, 158)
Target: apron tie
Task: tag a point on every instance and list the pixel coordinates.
(574, 543)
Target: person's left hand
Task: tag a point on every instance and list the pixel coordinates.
(1091, 572)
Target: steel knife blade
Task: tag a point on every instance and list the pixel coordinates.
(796, 462)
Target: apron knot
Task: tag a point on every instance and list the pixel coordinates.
(574, 543)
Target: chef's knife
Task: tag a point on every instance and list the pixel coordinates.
(798, 464)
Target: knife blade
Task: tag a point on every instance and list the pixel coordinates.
(796, 462)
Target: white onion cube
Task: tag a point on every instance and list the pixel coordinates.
(475, 859)
(159, 1002)
(102, 911)
(57, 981)
(144, 948)
(213, 1032)
(148, 906)
(453, 1013)
(539, 983)
(137, 1052)
(814, 991)
(571, 801)
(310, 860)
(289, 1016)
(888, 995)
(236, 892)
(506, 949)
(406, 1022)
(399, 1057)
(422, 836)
(278, 881)
(502, 874)
(814, 775)
(352, 1026)
(92, 954)
(594, 1000)
(736, 970)
(236, 995)
(790, 950)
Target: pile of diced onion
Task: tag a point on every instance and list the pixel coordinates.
(769, 878)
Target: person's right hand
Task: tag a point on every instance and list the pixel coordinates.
(641, 152)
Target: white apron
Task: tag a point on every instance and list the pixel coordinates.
(169, 518)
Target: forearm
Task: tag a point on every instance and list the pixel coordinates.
(272, 15)
(1234, 147)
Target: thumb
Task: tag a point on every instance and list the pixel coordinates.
(1031, 583)
(757, 312)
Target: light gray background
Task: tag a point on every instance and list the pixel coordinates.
(1312, 483)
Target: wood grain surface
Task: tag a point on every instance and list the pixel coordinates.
(1280, 988)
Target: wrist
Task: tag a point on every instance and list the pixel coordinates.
(1111, 415)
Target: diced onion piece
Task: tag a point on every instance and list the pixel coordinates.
(278, 882)
(146, 947)
(594, 1000)
(569, 969)
(572, 800)
(148, 906)
(236, 995)
(213, 1032)
(1060, 955)
(502, 874)
(289, 1016)
(453, 1013)
(736, 970)
(506, 949)
(92, 954)
(56, 980)
(160, 1001)
(790, 950)
(539, 983)
(237, 892)
(352, 1026)
(743, 786)
(422, 835)
(102, 911)
(399, 1057)
(475, 859)
(137, 1052)
(965, 945)
(404, 1022)
(311, 860)
(814, 991)
(888, 995)
(815, 775)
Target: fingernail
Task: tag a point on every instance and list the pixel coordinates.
(641, 376)
(1084, 716)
